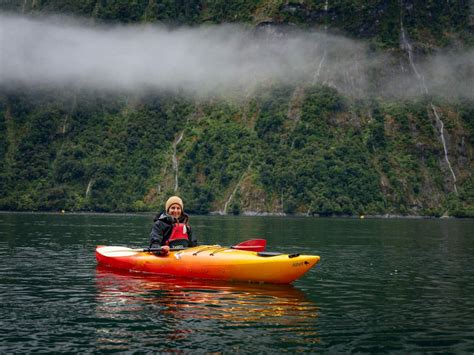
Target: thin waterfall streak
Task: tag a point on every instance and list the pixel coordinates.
(407, 45)
(231, 197)
(441, 124)
(409, 49)
(89, 187)
(175, 161)
(63, 130)
(318, 71)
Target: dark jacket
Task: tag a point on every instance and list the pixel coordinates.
(163, 226)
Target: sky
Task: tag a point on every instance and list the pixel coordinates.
(215, 60)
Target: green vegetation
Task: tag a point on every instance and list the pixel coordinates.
(286, 149)
(430, 23)
(338, 157)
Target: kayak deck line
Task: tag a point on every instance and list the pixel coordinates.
(211, 262)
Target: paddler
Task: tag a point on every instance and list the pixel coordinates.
(171, 227)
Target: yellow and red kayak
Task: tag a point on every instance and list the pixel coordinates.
(211, 262)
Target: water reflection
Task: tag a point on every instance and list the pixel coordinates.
(178, 310)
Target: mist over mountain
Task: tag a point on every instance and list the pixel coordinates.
(212, 60)
(310, 108)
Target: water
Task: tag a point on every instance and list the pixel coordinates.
(383, 286)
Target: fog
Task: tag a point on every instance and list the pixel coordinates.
(213, 60)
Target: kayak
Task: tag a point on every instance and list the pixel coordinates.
(210, 262)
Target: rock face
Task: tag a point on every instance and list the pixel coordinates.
(315, 154)
(315, 147)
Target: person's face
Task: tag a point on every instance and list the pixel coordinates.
(175, 210)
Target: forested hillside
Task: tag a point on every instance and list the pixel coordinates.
(323, 146)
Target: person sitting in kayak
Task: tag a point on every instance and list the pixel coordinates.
(171, 228)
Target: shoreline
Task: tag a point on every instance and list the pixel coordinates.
(245, 214)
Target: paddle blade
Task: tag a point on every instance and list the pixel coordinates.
(252, 245)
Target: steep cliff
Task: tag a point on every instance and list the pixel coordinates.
(398, 141)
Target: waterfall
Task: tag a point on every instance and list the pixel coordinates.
(175, 160)
(406, 45)
(441, 133)
(69, 114)
(318, 71)
(231, 197)
(89, 187)
(63, 131)
(321, 62)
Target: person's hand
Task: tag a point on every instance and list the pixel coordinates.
(165, 250)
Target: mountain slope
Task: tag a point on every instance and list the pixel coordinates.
(308, 147)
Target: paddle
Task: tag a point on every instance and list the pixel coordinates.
(248, 245)
(257, 245)
(251, 245)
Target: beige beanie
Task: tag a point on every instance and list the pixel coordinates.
(174, 200)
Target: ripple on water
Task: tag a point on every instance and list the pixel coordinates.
(382, 286)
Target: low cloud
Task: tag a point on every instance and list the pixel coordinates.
(211, 60)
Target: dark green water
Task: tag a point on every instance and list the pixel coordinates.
(383, 286)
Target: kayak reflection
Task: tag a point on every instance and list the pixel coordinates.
(131, 296)
(129, 287)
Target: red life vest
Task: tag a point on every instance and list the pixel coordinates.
(180, 231)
